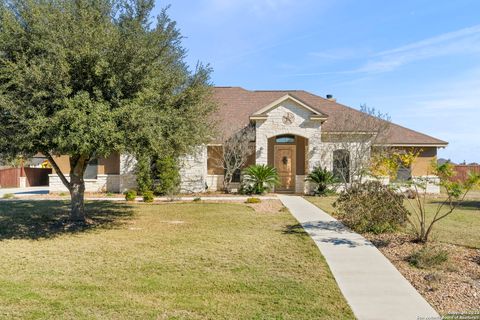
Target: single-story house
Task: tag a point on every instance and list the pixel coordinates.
(295, 131)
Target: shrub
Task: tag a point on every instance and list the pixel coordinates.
(322, 178)
(167, 176)
(197, 199)
(371, 207)
(148, 196)
(428, 257)
(259, 179)
(253, 200)
(160, 174)
(109, 194)
(8, 196)
(143, 173)
(130, 195)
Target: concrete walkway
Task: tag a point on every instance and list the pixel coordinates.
(372, 286)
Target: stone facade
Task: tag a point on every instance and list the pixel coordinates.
(300, 126)
(193, 171)
(271, 123)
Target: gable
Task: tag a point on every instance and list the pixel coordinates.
(289, 104)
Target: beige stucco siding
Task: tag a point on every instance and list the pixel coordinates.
(214, 156)
(422, 166)
(109, 165)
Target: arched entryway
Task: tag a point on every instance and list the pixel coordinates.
(287, 153)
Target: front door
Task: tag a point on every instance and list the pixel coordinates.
(285, 165)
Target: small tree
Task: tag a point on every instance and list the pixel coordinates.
(455, 192)
(234, 153)
(455, 195)
(89, 78)
(363, 131)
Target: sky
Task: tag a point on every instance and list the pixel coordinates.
(418, 61)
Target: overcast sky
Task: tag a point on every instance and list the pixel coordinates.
(418, 61)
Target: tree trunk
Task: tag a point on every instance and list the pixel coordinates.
(78, 165)
(77, 191)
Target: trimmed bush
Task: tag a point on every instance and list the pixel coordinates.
(167, 176)
(197, 199)
(8, 196)
(148, 196)
(371, 207)
(130, 195)
(428, 257)
(160, 174)
(253, 200)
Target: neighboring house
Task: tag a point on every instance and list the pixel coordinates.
(295, 131)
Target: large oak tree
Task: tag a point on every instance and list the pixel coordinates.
(86, 78)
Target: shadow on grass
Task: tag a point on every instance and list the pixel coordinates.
(295, 229)
(318, 230)
(46, 219)
(466, 204)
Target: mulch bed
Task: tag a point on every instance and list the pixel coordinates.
(453, 287)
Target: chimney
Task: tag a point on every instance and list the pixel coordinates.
(331, 98)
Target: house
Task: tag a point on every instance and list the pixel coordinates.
(294, 131)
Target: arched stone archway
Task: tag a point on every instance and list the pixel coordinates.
(288, 154)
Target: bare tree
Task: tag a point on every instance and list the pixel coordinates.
(350, 143)
(234, 152)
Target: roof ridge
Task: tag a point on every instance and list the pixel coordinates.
(391, 122)
(293, 90)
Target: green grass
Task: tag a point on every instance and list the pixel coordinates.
(460, 228)
(163, 261)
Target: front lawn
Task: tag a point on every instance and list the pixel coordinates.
(459, 228)
(161, 261)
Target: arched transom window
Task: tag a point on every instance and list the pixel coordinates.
(285, 139)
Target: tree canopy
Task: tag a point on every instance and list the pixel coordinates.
(86, 78)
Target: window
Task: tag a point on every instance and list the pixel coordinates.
(237, 175)
(92, 169)
(404, 173)
(285, 139)
(341, 165)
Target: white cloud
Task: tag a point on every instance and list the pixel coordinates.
(460, 42)
(464, 41)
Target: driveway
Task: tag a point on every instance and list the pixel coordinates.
(28, 191)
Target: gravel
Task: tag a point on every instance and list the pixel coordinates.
(452, 287)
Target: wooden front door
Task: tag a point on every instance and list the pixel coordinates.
(284, 156)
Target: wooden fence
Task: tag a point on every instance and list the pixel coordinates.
(10, 177)
(461, 171)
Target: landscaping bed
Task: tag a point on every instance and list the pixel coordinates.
(452, 286)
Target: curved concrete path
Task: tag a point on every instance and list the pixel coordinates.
(372, 286)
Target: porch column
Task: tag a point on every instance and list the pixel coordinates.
(261, 144)
(314, 155)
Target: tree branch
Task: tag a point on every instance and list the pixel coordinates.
(57, 170)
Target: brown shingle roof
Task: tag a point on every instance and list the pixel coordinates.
(236, 105)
